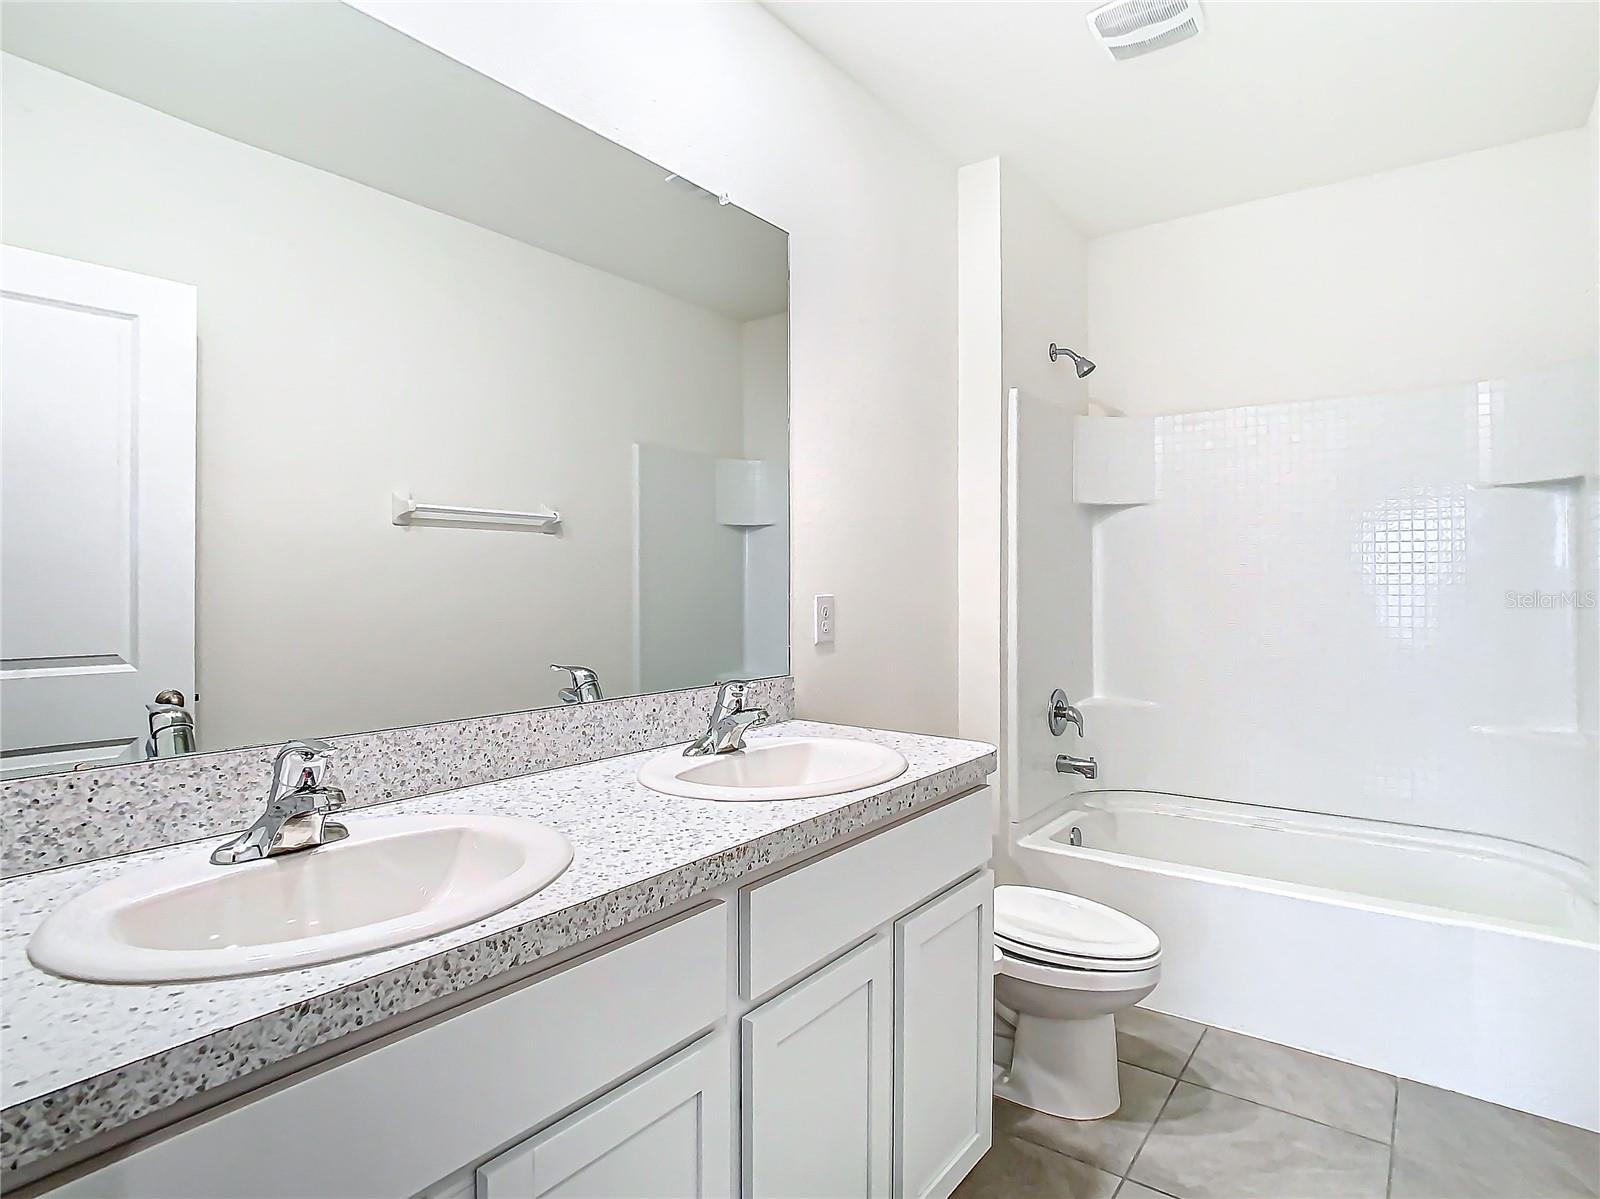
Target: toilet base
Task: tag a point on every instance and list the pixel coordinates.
(1066, 1068)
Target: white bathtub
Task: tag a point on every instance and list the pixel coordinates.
(1467, 962)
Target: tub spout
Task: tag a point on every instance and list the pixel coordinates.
(1067, 764)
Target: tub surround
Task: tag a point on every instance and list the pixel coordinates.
(84, 1060)
(80, 816)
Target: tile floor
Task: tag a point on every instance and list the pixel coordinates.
(1210, 1114)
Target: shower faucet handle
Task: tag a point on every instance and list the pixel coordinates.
(1062, 713)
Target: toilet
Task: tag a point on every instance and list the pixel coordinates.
(1065, 966)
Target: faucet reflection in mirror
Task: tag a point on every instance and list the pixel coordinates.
(585, 687)
(171, 727)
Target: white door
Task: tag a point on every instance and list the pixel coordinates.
(818, 1103)
(665, 1135)
(944, 1039)
(97, 497)
(1049, 631)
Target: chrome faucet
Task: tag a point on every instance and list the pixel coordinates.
(585, 687)
(1067, 764)
(298, 804)
(729, 720)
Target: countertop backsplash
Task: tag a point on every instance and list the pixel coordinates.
(80, 816)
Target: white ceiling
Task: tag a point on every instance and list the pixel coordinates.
(331, 87)
(1271, 98)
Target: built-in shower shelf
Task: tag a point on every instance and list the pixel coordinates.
(1538, 428)
(750, 492)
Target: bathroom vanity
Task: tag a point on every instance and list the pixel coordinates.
(716, 998)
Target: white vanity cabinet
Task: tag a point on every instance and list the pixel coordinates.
(396, 1116)
(821, 1031)
(665, 1133)
(944, 1043)
(871, 1075)
(817, 1065)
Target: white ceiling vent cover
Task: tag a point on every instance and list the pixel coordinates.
(1129, 28)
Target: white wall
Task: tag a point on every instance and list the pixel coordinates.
(726, 95)
(1044, 293)
(1465, 268)
(979, 449)
(352, 343)
(1044, 299)
(1022, 286)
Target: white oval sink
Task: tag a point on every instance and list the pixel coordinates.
(774, 768)
(394, 879)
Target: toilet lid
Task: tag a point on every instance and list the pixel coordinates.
(1071, 961)
(1033, 918)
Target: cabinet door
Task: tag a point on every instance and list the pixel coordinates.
(818, 1101)
(944, 1039)
(665, 1134)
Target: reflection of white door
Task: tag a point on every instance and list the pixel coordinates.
(97, 440)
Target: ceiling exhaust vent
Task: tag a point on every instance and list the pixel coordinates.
(1129, 28)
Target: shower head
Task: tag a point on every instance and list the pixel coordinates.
(1079, 363)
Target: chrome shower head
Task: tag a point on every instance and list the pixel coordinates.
(1079, 363)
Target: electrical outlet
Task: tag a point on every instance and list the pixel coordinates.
(822, 621)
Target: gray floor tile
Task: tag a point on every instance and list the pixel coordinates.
(1016, 1169)
(1450, 1146)
(1319, 1088)
(1109, 1143)
(1155, 1041)
(1133, 1190)
(1208, 1145)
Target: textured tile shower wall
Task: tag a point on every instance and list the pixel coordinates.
(1379, 606)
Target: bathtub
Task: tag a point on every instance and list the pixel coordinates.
(1462, 961)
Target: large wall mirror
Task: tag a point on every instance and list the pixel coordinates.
(347, 389)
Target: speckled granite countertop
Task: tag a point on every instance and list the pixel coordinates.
(80, 1059)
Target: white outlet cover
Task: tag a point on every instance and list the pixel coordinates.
(822, 621)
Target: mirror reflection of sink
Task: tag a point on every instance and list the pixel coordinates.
(775, 768)
(394, 879)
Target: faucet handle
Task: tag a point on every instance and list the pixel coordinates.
(301, 765)
(1062, 713)
(730, 696)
